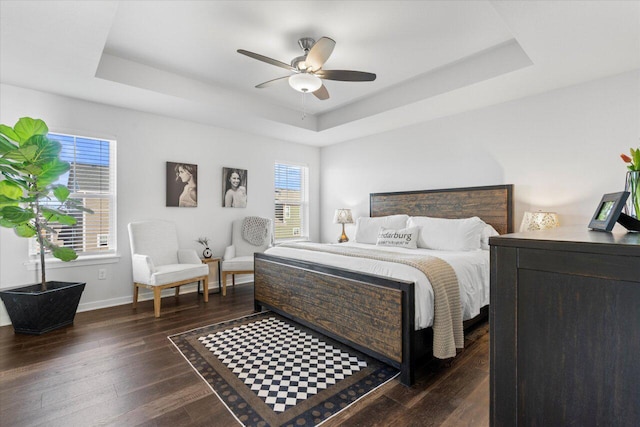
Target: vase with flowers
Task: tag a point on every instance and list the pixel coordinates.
(204, 241)
(632, 184)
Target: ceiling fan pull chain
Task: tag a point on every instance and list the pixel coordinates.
(304, 114)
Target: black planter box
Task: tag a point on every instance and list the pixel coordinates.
(33, 311)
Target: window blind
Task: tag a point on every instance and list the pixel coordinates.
(91, 179)
(291, 203)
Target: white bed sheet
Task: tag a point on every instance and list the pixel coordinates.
(471, 268)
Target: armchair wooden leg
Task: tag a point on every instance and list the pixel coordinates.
(206, 288)
(233, 280)
(224, 283)
(135, 295)
(157, 296)
(177, 291)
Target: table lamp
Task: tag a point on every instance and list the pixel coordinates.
(343, 216)
(532, 221)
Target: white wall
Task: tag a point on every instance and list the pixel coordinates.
(144, 143)
(560, 149)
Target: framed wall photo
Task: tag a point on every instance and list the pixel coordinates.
(234, 188)
(182, 185)
(608, 211)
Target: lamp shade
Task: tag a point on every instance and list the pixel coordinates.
(343, 216)
(305, 82)
(532, 221)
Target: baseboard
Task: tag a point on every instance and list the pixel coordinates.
(144, 295)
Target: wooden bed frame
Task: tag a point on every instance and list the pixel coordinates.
(371, 313)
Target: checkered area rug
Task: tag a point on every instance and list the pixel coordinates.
(270, 371)
(279, 362)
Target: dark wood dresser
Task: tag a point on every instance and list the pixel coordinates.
(565, 328)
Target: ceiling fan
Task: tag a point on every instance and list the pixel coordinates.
(308, 72)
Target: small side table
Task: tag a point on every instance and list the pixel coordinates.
(210, 261)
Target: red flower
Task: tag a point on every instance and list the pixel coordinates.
(625, 158)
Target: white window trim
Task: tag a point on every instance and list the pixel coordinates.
(81, 261)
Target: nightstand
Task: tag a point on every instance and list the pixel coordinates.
(209, 262)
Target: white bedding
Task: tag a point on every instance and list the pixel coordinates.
(471, 267)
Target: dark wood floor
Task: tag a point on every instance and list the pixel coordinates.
(116, 367)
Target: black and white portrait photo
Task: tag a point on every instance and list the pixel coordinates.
(234, 188)
(182, 185)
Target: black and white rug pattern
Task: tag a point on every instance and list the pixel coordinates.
(280, 363)
(270, 371)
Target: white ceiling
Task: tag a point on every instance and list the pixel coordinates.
(432, 58)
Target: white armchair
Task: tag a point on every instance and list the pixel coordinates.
(238, 257)
(158, 263)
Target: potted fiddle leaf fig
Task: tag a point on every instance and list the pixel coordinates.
(35, 204)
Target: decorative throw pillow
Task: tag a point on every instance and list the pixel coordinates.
(402, 238)
(446, 234)
(367, 228)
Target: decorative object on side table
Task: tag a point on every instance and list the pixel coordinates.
(33, 171)
(343, 216)
(204, 241)
(532, 221)
(632, 184)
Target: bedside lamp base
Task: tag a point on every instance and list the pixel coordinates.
(344, 237)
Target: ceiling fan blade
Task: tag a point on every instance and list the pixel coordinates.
(346, 75)
(266, 59)
(319, 53)
(270, 82)
(322, 93)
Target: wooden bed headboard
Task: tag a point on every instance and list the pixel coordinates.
(493, 204)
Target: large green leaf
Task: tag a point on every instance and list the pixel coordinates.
(32, 169)
(10, 189)
(23, 154)
(51, 171)
(16, 214)
(7, 170)
(6, 145)
(48, 149)
(54, 215)
(27, 127)
(6, 223)
(5, 201)
(25, 230)
(9, 133)
(61, 192)
(65, 254)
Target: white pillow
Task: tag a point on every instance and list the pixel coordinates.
(367, 228)
(487, 231)
(403, 238)
(448, 234)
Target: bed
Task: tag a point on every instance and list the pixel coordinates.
(370, 312)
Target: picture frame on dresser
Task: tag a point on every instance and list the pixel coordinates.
(608, 211)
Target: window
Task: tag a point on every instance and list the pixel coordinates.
(92, 180)
(291, 202)
(103, 240)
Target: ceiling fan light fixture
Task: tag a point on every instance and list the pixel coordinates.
(305, 82)
(299, 63)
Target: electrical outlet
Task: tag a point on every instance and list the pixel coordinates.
(102, 274)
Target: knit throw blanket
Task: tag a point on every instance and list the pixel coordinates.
(448, 334)
(255, 230)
